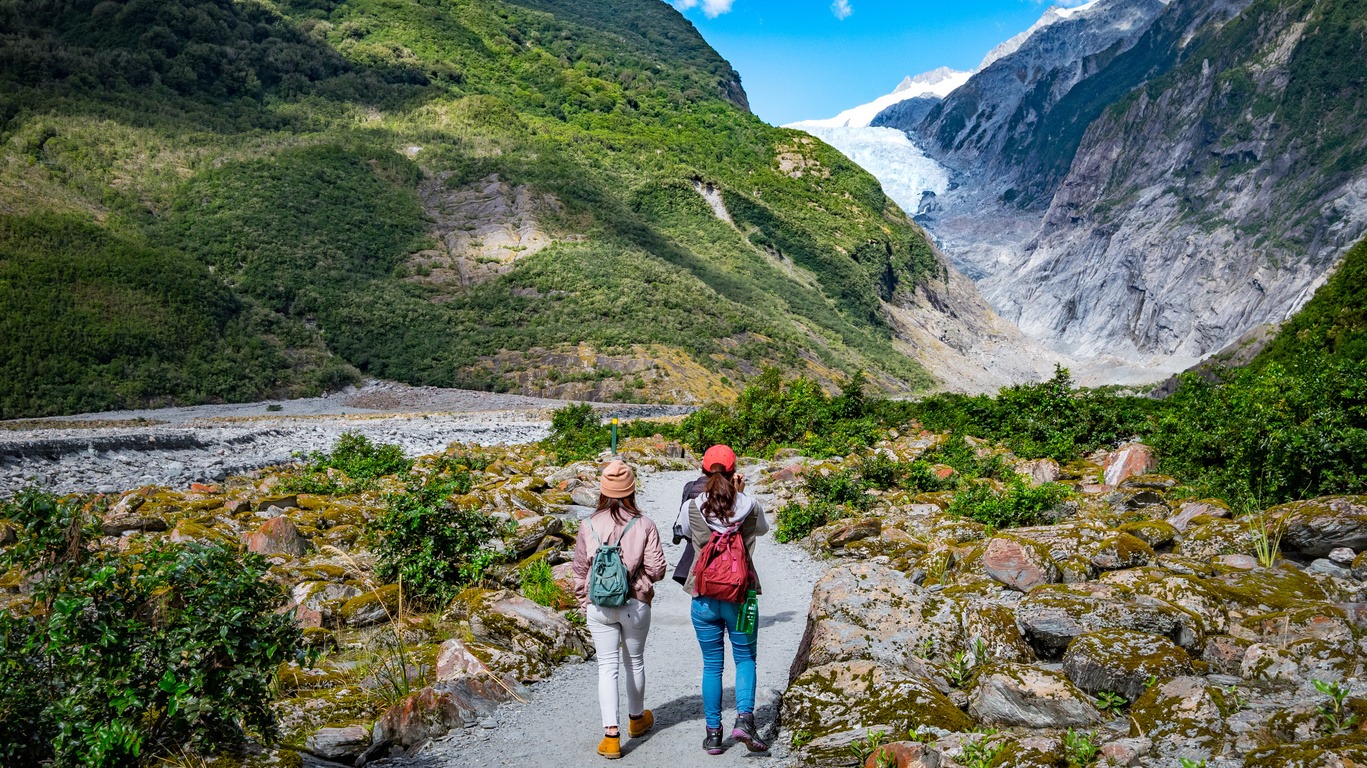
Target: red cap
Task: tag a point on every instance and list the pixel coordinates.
(719, 454)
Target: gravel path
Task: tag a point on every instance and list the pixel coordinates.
(559, 724)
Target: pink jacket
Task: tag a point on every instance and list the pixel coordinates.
(642, 554)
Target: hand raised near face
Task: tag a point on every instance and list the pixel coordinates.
(739, 482)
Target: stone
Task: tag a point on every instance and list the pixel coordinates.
(7, 533)
(339, 744)
(1342, 556)
(1264, 590)
(1190, 510)
(1150, 482)
(455, 659)
(370, 608)
(1053, 614)
(1029, 697)
(531, 532)
(117, 525)
(538, 637)
(1130, 460)
(585, 496)
(1329, 568)
(1186, 591)
(1039, 471)
(278, 536)
(1122, 753)
(904, 754)
(279, 502)
(1122, 661)
(420, 717)
(1182, 717)
(1225, 654)
(1019, 563)
(1268, 662)
(1237, 562)
(1212, 537)
(865, 694)
(1316, 527)
(1155, 533)
(1331, 752)
(1123, 551)
(842, 532)
(1360, 567)
(321, 599)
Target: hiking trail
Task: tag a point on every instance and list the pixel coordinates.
(559, 724)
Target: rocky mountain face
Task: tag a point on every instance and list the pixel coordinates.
(1139, 183)
(1209, 201)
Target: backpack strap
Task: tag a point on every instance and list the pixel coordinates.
(626, 528)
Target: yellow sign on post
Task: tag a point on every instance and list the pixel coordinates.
(614, 437)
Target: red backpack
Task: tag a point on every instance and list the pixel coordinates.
(722, 570)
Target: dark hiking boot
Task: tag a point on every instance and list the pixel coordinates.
(711, 743)
(746, 733)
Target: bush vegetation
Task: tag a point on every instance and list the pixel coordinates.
(127, 657)
(431, 543)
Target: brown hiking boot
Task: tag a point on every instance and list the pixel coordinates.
(637, 726)
(610, 747)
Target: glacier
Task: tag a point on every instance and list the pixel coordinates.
(906, 173)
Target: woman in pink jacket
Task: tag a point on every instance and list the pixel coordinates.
(625, 626)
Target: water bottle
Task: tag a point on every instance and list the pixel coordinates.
(748, 621)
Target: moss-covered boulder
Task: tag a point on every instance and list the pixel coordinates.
(1186, 591)
(1019, 563)
(864, 694)
(1053, 615)
(1128, 461)
(836, 535)
(1182, 717)
(1122, 661)
(278, 536)
(370, 608)
(541, 637)
(1122, 551)
(531, 531)
(1317, 526)
(1156, 533)
(1031, 752)
(1212, 537)
(1029, 697)
(1264, 590)
(319, 603)
(1332, 752)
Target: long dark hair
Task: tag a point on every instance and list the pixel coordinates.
(622, 509)
(721, 495)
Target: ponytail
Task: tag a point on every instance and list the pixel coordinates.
(721, 495)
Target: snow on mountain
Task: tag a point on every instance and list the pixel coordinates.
(904, 170)
(937, 83)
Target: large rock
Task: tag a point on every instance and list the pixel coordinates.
(1019, 563)
(1040, 471)
(278, 536)
(1265, 590)
(842, 532)
(531, 532)
(1130, 460)
(1186, 591)
(538, 636)
(1122, 551)
(455, 659)
(1029, 697)
(119, 524)
(370, 608)
(1190, 510)
(319, 603)
(1122, 661)
(868, 611)
(432, 712)
(339, 744)
(1215, 537)
(904, 754)
(1052, 615)
(864, 694)
(1318, 526)
(1183, 718)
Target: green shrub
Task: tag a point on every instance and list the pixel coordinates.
(1267, 436)
(434, 546)
(576, 434)
(359, 461)
(1016, 506)
(538, 583)
(795, 521)
(131, 656)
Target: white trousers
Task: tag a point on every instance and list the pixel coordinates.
(614, 630)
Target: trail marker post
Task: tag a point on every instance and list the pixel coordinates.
(614, 437)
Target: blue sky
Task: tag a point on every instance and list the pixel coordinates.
(803, 59)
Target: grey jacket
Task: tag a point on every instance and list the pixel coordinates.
(699, 533)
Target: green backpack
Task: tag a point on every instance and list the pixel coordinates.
(609, 581)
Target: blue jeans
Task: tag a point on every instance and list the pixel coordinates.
(712, 621)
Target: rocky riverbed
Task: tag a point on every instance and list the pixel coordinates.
(114, 451)
(1140, 629)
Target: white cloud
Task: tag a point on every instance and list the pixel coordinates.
(710, 8)
(841, 9)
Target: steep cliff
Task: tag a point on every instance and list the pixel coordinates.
(1210, 200)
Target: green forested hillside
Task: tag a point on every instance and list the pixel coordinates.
(325, 175)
